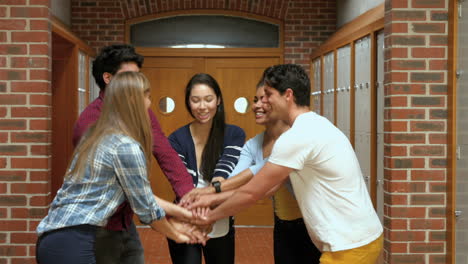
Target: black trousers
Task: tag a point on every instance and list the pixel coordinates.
(217, 250)
(292, 244)
(70, 245)
(119, 247)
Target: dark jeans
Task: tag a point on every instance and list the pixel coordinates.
(71, 245)
(217, 250)
(116, 247)
(292, 243)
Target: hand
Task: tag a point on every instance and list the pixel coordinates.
(167, 229)
(201, 216)
(198, 235)
(193, 194)
(208, 200)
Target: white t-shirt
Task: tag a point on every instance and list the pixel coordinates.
(328, 184)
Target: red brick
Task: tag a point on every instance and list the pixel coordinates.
(29, 188)
(438, 89)
(407, 236)
(11, 176)
(396, 199)
(435, 187)
(3, 163)
(405, 113)
(397, 76)
(39, 176)
(399, 27)
(12, 124)
(41, 200)
(39, 74)
(396, 101)
(428, 4)
(30, 111)
(13, 99)
(11, 250)
(397, 247)
(427, 199)
(438, 138)
(30, 87)
(438, 163)
(402, 163)
(13, 2)
(13, 225)
(398, 65)
(38, 49)
(13, 49)
(40, 2)
(40, 150)
(30, 137)
(40, 99)
(404, 138)
(438, 259)
(31, 36)
(406, 89)
(428, 101)
(3, 137)
(30, 163)
(429, 27)
(427, 224)
(393, 151)
(10, 74)
(435, 65)
(431, 247)
(29, 12)
(3, 11)
(23, 238)
(393, 52)
(12, 24)
(407, 15)
(29, 62)
(3, 188)
(428, 175)
(13, 150)
(39, 24)
(28, 212)
(395, 224)
(13, 200)
(418, 126)
(396, 126)
(3, 214)
(428, 52)
(41, 124)
(427, 77)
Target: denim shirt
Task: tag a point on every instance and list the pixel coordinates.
(118, 174)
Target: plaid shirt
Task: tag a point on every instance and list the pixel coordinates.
(118, 174)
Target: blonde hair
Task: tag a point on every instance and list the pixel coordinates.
(123, 112)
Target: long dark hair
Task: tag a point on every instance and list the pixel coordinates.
(215, 143)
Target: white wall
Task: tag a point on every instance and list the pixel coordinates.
(347, 10)
(61, 9)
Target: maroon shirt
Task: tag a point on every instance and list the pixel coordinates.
(168, 160)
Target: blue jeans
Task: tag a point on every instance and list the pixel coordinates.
(292, 243)
(71, 245)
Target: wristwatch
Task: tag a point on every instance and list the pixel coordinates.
(217, 186)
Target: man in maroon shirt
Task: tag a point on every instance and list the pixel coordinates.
(120, 234)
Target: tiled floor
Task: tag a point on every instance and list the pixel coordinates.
(253, 246)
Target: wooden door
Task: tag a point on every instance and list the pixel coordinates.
(168, 77)
(237, 78)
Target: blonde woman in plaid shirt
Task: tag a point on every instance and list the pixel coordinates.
(110, 165)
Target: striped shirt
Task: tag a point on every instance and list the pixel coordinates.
(116, 174)
(234, 138)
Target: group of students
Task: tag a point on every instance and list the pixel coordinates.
(212, 172)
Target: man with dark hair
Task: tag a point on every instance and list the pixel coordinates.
(120, 232)
(324, 172)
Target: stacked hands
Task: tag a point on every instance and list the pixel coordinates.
(188, 221)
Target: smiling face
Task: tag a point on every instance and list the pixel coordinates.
(260, 109)
(277, 102)
(203, 103)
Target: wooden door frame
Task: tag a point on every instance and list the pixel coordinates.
(204, 52)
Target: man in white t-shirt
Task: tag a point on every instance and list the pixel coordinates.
(324, 172)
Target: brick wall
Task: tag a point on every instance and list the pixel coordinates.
(416, 131)
(25, 101)
(307, 22)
